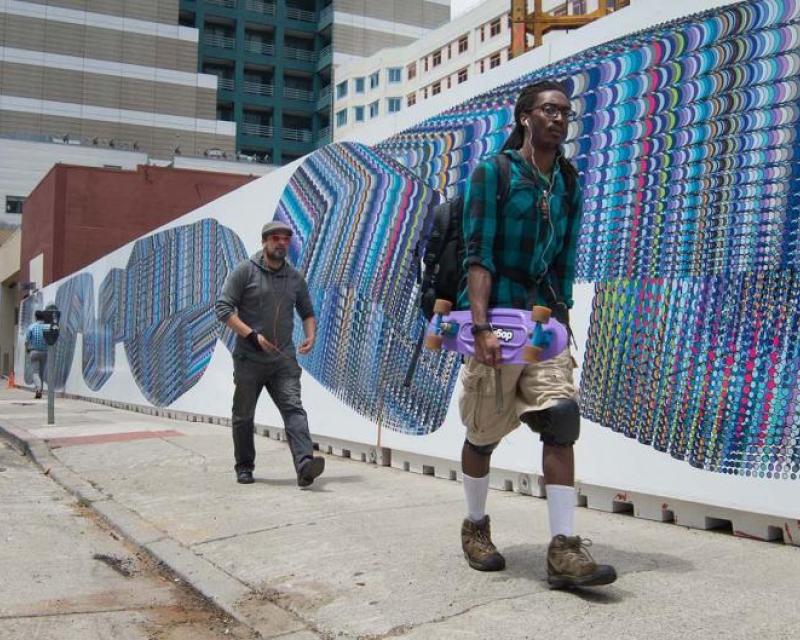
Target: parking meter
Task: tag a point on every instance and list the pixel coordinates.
(51, 317)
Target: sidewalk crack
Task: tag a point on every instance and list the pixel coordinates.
(323, 519)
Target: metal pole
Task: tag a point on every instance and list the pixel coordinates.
(51, 394)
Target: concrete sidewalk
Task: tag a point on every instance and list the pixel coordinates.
(374, 552)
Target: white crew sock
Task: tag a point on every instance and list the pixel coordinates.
(476, 489)
(560, 508)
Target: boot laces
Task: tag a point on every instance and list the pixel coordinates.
(482, 536)
(579, 550)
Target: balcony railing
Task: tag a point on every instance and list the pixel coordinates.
(216, 40)
(325, 134)
(324, 99)
(293, 13)
(259, 6)
(299, 135)
(228, 4)
(305, 55)
(258, 88)
(254, 129)
(327, 51)
(226, 84)
(256, 46)
(298, 94)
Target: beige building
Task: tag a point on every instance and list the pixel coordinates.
(398, 78)
(118, 74)
(363, 27)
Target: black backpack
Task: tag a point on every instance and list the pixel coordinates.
(443, 257)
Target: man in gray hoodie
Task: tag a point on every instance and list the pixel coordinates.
(258, 302)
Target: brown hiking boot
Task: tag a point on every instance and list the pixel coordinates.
(570, 565)
(476, 540)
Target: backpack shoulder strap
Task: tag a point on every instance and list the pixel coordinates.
(570, 179)
(502, 164)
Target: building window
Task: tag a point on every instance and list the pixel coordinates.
(483, 33)
(449, 81)
(425, 93)
(411, 99)
(411, 71)
(374, 109)
(463, 44)
(395, 74)
(393, 104)
(449, 51)
(462, 75)
(341, 118)
(437, 58)
(425, 62)
(360, 85)
(578, 7)
(494, 28)
(14, 204)
(375, 80)
(494, 61)
(481, 66)
(341, 90)
(436, 88)
(359, 114)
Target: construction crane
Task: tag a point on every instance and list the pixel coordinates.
(538, 22)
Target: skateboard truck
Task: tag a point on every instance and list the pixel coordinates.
(440, 329)
(540, 338)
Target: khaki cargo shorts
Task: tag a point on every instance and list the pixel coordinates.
(531, 387)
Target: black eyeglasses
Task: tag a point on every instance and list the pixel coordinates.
(552, 110)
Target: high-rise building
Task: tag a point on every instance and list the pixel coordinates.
(119, 74)
(274, 60)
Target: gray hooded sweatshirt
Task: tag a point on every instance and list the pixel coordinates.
(265, 300)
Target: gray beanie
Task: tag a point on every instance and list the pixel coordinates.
(274, 227)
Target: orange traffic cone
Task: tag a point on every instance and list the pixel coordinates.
(11, 384)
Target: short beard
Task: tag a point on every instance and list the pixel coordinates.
(273, 255)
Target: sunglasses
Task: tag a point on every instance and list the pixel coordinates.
(284, 238)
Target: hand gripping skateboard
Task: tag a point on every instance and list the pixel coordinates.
(525, 337)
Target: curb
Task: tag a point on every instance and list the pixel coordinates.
(214, 585)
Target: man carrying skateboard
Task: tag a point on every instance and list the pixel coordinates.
(520, 252)
(258, 302)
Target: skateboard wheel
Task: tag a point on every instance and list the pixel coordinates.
(443, 306)
(433, 342)
(531, 353)
(541, 314)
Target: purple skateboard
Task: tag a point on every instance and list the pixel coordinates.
(522, 340)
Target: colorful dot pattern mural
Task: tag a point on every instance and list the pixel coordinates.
(160, 307)
(686, 139)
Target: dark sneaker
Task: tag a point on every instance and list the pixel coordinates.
(245, 476)
(569, 564)
(310, 469)
(480, 552)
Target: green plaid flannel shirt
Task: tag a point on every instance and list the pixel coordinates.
(519, 239)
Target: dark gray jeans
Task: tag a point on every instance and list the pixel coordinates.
(282, 382)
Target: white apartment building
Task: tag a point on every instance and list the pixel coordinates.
(396, 79)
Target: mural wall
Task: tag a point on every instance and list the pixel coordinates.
(687, 145)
